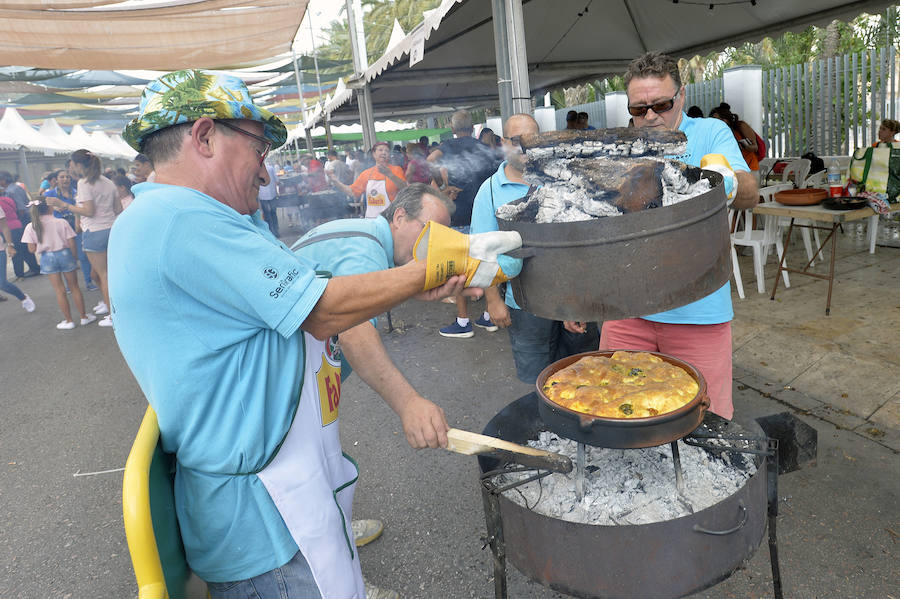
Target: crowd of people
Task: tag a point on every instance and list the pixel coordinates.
(64, 227)
(244, 371)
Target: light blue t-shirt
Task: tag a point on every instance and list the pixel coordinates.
(350, 255)
(496, 191)
(207, 306)
(705, 136)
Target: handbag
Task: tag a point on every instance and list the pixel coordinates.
(877, 169)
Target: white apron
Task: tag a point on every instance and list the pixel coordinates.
(312, 481)
(376, 198)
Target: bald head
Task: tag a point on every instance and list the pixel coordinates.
(515, 126)
(520, 124)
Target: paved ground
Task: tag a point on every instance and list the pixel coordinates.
(69, 406)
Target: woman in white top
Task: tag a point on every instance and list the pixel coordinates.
(97, 204)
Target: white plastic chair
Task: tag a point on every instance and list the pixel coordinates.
(817, 180)
(758, 239)
(799, 168)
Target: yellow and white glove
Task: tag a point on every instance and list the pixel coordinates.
(447, 252)
(718, 163)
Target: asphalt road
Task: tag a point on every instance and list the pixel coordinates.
(69, 406)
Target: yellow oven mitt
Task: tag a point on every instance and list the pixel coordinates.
(718, 163)
(447, 252)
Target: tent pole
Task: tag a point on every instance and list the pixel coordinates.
(24, 175)
(501, 52)
(299, 79)
(325, 120)
(360, 64)
(518, 58)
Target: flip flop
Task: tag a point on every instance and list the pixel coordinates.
(366, 531)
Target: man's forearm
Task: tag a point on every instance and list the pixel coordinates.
(367, 355)
(348, 301)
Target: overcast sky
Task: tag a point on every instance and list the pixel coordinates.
(321, 12)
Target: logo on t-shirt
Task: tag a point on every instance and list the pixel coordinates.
(270, 273)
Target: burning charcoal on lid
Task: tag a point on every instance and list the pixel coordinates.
(582, 175)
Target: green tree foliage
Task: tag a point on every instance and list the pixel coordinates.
(378, 22)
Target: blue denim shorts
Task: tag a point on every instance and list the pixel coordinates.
(58, 261)
(95, 241)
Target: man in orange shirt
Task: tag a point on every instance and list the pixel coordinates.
(381, 182)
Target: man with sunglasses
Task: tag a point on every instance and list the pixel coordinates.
(230, 336)
(699, 332)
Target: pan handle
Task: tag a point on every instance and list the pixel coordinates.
(720, 533)
(521, 253)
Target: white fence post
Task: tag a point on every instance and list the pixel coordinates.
(616, 109)
(743, 91)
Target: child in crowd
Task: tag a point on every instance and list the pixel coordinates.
(123, 189)
(54, 240)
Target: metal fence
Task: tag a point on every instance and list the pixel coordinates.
(830, 106)
(705, 94)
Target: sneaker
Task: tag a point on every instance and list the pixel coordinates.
(92, 287)
(2, 298)
(88, 319)
(106, 321)
(485, 323)
(101, 308)
(366, 531)
(66, 325)
(28, 304)
(456, 330)
(373, 592)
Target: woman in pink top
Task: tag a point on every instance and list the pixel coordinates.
(97, 203)
(53, 239)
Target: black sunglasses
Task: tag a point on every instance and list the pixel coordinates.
(658, 108)
(266, 143)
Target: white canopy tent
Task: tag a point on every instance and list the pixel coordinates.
(15, 133)
(565, 41)
(51, 130)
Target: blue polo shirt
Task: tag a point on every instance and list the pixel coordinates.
(496, 191)
(207, 306)
(705, 136)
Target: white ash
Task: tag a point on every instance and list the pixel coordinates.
(588, 148)
(676, 187)
(630, 486)
(563, 196)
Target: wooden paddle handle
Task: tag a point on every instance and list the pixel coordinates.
(468, 443)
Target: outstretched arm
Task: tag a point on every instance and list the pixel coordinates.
(423, 421)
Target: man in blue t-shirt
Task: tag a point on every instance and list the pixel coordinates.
(360, 245)
(229, 335)
(700, 332)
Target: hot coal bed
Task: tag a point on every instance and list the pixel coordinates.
(680, 546)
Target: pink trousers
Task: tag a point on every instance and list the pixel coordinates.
(705, 346)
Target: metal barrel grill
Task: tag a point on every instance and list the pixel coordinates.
(628, 265)
(666, 559)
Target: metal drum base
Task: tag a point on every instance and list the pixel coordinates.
(662, 560)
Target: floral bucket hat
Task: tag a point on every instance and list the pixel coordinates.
(186, 96)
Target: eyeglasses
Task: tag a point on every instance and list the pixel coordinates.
(267, 145)
(658, 108)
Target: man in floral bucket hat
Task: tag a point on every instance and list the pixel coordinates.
(230, 336)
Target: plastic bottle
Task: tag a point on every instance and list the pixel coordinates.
(834, 179)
